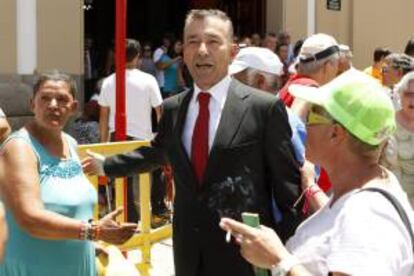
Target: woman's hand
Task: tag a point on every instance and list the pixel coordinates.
(114, 232)
(307, 173)
(259, 246)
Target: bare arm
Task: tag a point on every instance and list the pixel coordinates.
(164, 65)
(20, 187)
(5, 129)
(104, 123)
(317, 198)
(21, 192)
(158, 112)
(262, 247)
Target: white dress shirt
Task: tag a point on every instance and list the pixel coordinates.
(218, 98)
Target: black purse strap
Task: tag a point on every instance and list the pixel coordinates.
(397, 205)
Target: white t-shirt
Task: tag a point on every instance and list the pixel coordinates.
(361, 234)
(160, 73)
(142, 94)
(2, 113)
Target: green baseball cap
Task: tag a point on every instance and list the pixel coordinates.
(356, 101)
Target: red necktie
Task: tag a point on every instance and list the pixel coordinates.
(199, 146)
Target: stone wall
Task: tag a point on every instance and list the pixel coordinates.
(15, 94)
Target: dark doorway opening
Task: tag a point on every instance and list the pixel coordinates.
(149, 20)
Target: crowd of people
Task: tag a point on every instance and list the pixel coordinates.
(321, 151)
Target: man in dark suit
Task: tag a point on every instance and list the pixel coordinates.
(230, 150)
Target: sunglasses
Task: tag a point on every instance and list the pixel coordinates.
(317, 119)
(408, 94)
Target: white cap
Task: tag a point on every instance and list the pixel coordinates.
(318, 46)
(257, 58)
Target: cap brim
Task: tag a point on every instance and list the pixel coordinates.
(236, 67)
(309, 94)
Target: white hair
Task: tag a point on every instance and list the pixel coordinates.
(345, 51)
(312, 67)
(402, 86)
(251, 74)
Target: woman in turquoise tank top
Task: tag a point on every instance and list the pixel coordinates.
(48, 199)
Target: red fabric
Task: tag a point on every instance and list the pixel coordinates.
(324, 182)
(199, 146)
(284, 94)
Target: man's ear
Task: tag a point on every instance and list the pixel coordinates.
(260, 82)
(234, 50)
(338, 133)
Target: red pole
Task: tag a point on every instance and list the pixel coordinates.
(120, 110)
(120, 36)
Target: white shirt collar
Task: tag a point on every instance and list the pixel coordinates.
(218, 91)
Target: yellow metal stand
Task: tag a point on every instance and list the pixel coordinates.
(147, 237)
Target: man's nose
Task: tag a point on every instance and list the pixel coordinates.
(53, 102)
(202, 50)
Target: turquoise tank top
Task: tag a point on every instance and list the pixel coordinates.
(64, 190)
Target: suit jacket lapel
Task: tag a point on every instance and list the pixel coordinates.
(180, 116)
(179, 119)
(232, 115)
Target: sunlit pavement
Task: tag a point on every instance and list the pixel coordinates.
(161, 258)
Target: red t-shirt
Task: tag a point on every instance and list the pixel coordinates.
(284, 94)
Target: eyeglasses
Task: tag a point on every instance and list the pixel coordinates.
(317, 119)
(409, 94)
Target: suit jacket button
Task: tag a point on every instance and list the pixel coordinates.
(196, 229)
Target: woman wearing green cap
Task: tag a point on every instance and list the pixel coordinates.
(358, 231)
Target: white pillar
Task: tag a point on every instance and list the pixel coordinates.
(26, 36)
(311, 17)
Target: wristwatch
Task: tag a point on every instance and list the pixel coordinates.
(284, 266)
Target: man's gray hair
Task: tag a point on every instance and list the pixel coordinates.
(402, 86)
(312, 67)
(202, 14)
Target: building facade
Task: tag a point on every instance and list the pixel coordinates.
(363, 25)
(39, 35)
